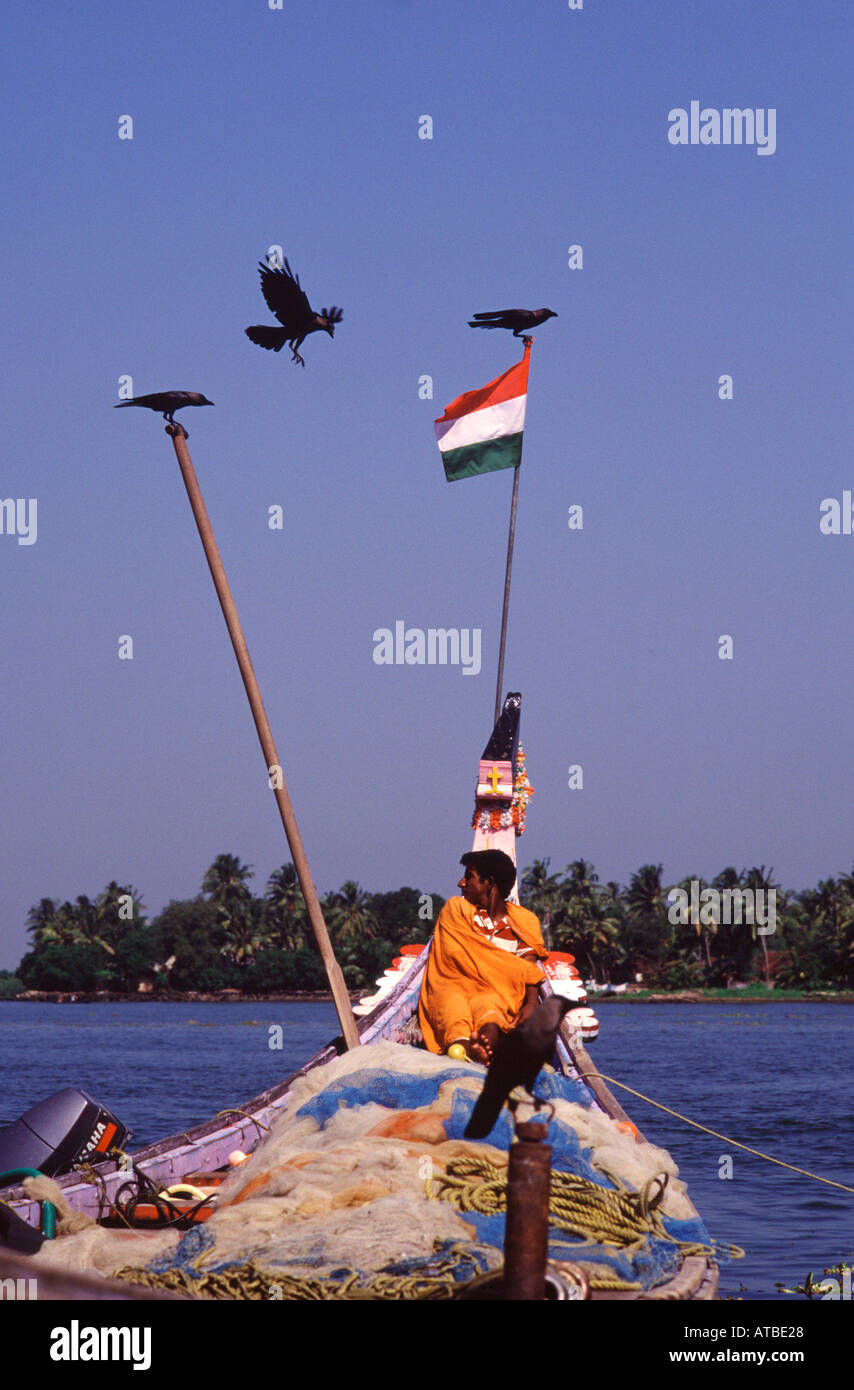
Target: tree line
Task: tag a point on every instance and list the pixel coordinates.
(619, 933)
(224, 938)
(228, 938)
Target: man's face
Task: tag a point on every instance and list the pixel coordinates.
(475, 889)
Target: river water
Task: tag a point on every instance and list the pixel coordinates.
(776, 1077)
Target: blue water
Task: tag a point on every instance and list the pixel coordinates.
(159, 1067)
(777, 1077)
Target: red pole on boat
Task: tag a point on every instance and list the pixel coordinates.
(526, 1232)
(262, 724)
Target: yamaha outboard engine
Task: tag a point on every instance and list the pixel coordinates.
(67, 1128)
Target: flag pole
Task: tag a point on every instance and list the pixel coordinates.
(286, 811)
(510, 539)
(503, 641)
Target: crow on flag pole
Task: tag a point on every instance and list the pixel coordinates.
(520, 321)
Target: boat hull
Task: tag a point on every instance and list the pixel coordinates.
(208, 1145)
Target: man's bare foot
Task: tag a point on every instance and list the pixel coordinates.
(482, 1043)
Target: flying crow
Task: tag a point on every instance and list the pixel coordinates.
(520, 320)
(281, 289)
(167, 402)
(516, 1061)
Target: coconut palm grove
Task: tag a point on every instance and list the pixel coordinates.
(227, 938)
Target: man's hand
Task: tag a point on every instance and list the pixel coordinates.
(528, 1007)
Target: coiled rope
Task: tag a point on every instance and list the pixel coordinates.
(577, 1205)
(757, 1153)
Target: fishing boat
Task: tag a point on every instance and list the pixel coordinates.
(175, 1181)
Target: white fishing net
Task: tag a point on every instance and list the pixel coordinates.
(345, 1185)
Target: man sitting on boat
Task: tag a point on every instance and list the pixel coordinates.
(482, 975)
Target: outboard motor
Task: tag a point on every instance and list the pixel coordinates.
(67, 1128)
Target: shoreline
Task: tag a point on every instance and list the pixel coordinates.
(319, 996)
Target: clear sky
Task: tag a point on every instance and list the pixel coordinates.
(254, 127)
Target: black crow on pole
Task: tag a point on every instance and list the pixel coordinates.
(518, 1057)
(521, 321)
(167, 402)
(289, 302)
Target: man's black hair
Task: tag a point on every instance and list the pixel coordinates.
(494, 864)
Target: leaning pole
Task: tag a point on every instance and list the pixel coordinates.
(262, 724)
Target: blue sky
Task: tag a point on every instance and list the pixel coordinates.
(254, 127)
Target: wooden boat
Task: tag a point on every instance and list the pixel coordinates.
(203, 1151)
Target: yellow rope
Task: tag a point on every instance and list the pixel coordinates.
(87, 1174)
(249, 1282)
(235, 1110)
(577, 1205)
(587, 1075)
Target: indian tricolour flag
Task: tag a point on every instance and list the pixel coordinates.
(482, 430)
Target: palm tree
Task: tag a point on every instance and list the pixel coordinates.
(592, 934)
(758, 878)
(45, 925)
(225, 884)
(287, 918)
(648, 929)
(645, 896)
(728, 878)
(112, 913)
(246, 931)
(582, 880)
(348, 914)
(225, 880)
(829, 906)
(541, 893)
(584, 920)
(90, 924)
(704, 928)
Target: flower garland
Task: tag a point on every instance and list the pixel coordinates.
(514, 815)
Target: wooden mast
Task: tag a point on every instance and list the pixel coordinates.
(274, 767)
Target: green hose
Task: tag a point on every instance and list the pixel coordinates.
(48, 1221)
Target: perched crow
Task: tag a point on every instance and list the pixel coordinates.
(516, 1061)
(520, 320)
(281, 290)
(167, 402)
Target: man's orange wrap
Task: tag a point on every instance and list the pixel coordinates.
(469, 981)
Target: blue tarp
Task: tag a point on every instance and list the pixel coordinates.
(653, 1263)
(650, 1264)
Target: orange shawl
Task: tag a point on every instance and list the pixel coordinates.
(468, 981)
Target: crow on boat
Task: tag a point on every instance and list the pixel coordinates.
(520, 321)
(289, 302)
(167, 402)
(516, 1061)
